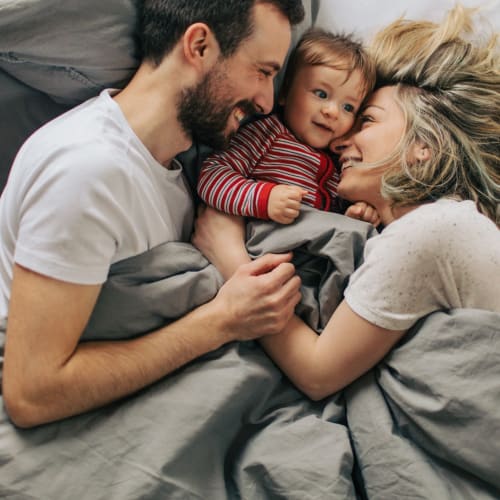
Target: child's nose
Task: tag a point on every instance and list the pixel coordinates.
(331, 109)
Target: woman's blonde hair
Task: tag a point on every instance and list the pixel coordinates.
(448, 87)
(318, 47)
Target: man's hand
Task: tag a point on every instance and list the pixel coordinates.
(284, 201)
(362, 211)
(260, 298)
(48, 374)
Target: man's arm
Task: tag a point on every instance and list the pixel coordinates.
(49, 375)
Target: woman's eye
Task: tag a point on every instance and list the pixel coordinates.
(349, 108)
(365, 119)
(320, 93)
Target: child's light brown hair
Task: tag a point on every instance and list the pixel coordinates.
(318, 47)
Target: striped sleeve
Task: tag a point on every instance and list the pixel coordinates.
(226, 181)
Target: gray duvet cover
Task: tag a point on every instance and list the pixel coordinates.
(425, 423)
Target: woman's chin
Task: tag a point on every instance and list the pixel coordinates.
(344, 190)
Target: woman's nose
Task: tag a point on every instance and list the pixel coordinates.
(346, 141)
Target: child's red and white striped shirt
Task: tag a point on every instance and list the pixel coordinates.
(262, 154)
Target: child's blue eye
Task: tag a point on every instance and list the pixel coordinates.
(349, 108)
(320, 93)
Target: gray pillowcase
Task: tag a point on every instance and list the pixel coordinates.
(68, 50)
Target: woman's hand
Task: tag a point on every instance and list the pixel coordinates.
(221, 238)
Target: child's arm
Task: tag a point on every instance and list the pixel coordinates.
(225, 180)
(284, 201)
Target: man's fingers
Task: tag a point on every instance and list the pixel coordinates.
(282, 274)
(268, 262)
(291, 289)
(277, 269)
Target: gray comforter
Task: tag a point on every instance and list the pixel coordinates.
(423, 424)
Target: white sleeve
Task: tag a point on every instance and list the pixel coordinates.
(72, 217)
(404, 276)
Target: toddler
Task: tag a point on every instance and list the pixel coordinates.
(276, 163)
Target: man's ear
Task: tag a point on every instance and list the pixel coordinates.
(200, 46)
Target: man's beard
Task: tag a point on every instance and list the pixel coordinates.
(204, 111)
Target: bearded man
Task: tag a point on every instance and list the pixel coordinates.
(101, 183)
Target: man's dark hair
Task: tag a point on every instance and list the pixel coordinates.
(163, 22)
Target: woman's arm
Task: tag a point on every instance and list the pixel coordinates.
(320, 365)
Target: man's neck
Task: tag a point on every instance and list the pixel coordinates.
(149, 104)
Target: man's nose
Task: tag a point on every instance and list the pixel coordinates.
(264, 100)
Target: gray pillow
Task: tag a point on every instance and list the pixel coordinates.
(23, 110)
(55, 54)
(68, 50)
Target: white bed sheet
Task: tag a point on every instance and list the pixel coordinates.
(365, 17)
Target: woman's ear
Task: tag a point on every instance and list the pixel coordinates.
(200, 46)
(421, 152)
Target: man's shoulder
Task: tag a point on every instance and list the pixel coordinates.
(82, 163)
(84, 137)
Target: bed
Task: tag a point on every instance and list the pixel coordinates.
(424, 423)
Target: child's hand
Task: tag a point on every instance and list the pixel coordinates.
(283, 205)
(362, 211)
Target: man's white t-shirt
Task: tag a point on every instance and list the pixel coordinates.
(442, 255)
(83, 193)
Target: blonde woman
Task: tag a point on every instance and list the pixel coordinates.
(426, 156)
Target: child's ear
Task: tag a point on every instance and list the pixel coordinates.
(200, 46)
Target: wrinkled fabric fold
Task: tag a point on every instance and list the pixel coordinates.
(423, 424)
